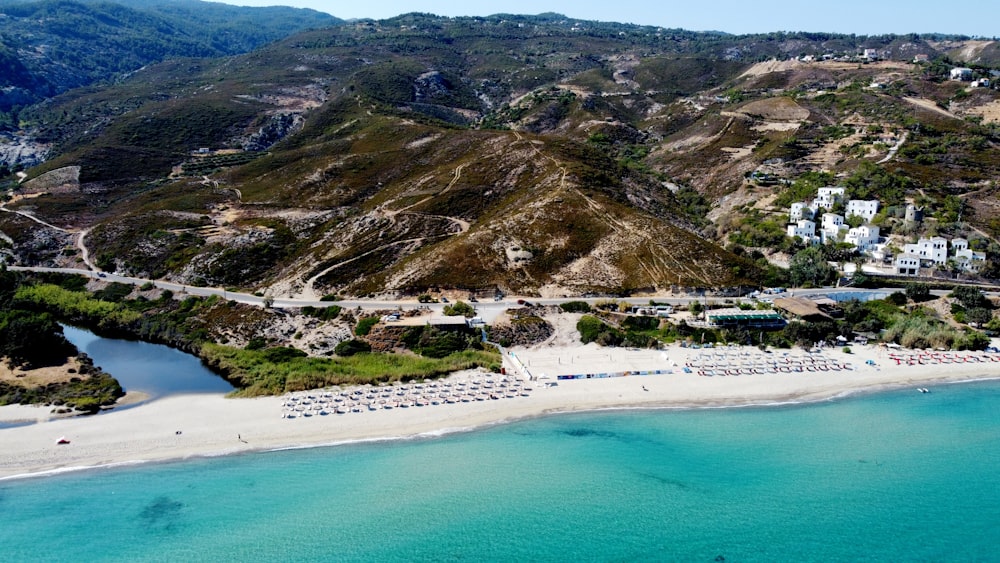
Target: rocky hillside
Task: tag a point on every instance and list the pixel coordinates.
(539, 155)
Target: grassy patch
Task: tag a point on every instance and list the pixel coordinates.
(255, 374)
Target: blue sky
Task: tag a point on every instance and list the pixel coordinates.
(968, 17)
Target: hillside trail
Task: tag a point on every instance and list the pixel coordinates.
(308, 291)
(895, 148)
(618, 226)
(25, 214)
(309, 288)
(78, 236)
(930, 106)
(457, 175)
(84, 252)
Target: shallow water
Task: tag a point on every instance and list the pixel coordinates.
(154, 369)
(892, 476)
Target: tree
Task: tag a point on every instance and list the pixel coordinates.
(918, 292)
(979, 316)
(809, 267)
(460, 308)
(969, 297)
(32, 340)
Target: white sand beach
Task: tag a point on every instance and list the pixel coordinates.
(181, 427)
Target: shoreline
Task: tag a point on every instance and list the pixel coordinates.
(186, 427)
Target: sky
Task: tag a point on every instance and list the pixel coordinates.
(863, 17)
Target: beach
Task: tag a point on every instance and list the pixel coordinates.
(181, 427)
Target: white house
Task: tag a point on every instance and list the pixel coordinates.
(907, 265)
(828, 196)
(958, 245)
(871, 54)
(981, 83)
(864, 237)
(804, 229)
(864, 208)
(832, 225)
(969, 259)
(933, 249)
(961, 73)
(799, 211)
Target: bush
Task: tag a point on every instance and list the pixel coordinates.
(641, 323)
(896, 298)
(115, 292)
(280, 354)
(575, 307)
(460, 308)
(323, 313)
(593, 329)
(351, 347)
(365, 326)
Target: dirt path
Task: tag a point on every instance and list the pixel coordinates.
(308, 291)
(84, 252)
(33, 218)
(930, 106)
(895, 148)
(457, 176)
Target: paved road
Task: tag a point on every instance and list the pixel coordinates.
(488, 310)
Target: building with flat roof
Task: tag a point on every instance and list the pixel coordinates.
(738, 318)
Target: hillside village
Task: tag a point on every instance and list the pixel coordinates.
(885, 255)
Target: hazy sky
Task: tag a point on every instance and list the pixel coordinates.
(968, 17)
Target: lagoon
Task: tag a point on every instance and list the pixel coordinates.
(153, 369)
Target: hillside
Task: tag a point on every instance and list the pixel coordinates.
(50, 46)
(529, 154)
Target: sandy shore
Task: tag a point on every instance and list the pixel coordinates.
(209, 424)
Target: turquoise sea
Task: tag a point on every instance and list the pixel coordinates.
(896, 476)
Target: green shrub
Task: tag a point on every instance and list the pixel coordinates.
(352, 347)
(896, 298)
(460, 308)
(641, 323)
(593, 329)
(115, 292)
(575, 307)
(280, 354)
(323, 313)
(365, 326)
